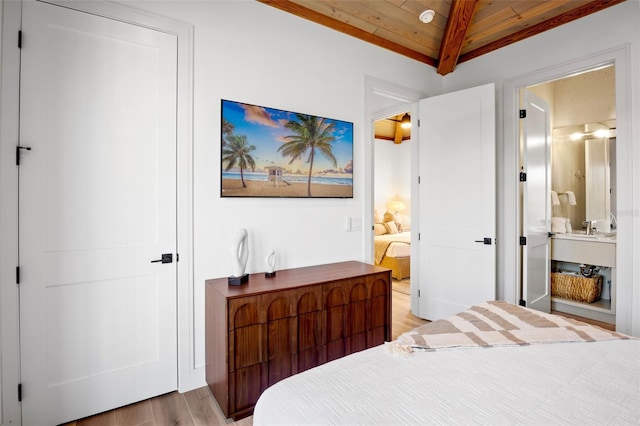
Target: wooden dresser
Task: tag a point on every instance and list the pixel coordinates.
(270, 328)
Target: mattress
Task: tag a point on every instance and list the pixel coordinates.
(595, 382)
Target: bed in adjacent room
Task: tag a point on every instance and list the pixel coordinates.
(392, 246)
(495, 363)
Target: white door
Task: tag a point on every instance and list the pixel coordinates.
(97, 205)
(457, 202)
(536, 190)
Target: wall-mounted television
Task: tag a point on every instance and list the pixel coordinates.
(269, 152)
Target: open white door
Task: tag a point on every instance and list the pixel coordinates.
(97, 206)
(457, 201)
(536, 215)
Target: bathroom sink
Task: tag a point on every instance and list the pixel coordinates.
(581, 235)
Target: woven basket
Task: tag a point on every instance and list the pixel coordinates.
(576, 287)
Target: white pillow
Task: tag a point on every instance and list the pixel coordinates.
(392, 217)
(391, 227)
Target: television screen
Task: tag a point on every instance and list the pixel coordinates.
(268, 152)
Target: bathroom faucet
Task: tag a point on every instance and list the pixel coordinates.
(590, 228)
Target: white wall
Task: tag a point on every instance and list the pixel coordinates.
(609, 29)
(392, 174)
(250, 52)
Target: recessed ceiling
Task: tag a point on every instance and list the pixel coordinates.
(461, 29)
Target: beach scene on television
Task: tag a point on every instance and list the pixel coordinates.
(268, 152)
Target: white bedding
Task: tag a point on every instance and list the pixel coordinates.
(400, 244)
(560, 383)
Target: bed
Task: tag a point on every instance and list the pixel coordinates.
(495, 363)
(392, 245)
(393, 251)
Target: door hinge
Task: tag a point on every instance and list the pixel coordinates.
(177, 257)
(17, 275)
(418, 293)
(18, 148)
(523, 177)
(418, 236)
(523, 113)
(418, 122)
(19, 39)
(523, 241)
(418, 180)
(522, 302)
(19, 392)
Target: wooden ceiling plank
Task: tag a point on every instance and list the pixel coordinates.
(406, 16)
(544, 11)
(459, 20)
(423, 46)
(326, 9)
(441, 7)
(303, 12)
(524, 18)
(393, 28)
(539, 8)
(571, 15)
(389, 17)
(480, 30)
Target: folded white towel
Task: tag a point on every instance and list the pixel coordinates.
(555, 201)
(571, 198)
(559, 225)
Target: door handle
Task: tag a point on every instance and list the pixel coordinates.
(486, 241)
(166, 258)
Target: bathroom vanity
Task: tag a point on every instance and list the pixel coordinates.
(568, 252)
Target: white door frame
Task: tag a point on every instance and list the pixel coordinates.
(189, 377)
(405, 99)
(624, 250)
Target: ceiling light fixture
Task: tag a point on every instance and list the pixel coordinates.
(405, 122)
(427, 16)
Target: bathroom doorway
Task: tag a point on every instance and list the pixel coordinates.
(580, 199)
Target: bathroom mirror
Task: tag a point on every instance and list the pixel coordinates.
(583, 162)
(583, 116)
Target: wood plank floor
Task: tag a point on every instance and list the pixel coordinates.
(198, 407)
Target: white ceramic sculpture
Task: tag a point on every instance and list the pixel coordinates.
(239, 252)
(270, 261)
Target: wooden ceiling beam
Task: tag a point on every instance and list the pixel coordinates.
(460, 17)
(334, 24)
(399, 133)
(571, 15)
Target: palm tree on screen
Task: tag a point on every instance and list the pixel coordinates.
(312, 134)
(237, 153)
(227, 130)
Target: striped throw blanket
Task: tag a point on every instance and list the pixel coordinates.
(498, 323)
